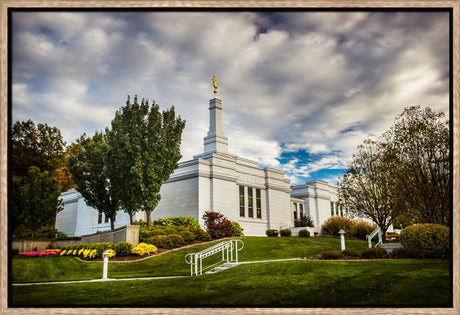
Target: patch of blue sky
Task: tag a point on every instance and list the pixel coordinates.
(305, 166)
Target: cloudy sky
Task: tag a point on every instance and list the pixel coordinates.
(300, 90)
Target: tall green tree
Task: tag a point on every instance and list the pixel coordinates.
(419, 144)
(89, 169)
(37, 202)
(366, 190)
(144, 150)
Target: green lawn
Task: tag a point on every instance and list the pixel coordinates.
(302, 283)
(170, 264)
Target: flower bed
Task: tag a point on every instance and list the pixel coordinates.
(41, 253)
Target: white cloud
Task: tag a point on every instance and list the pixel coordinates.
(320, 82)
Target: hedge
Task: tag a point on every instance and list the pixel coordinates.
(426, 241)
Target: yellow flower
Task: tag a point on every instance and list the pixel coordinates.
(93, 253)
(80, 252)
(63, 252)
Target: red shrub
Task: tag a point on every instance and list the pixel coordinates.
(217, 225)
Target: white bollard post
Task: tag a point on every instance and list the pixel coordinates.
(342, 238)
(105, 255)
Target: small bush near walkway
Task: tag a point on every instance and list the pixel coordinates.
(271, 233)
(331, 255)
(285, 232)
(304, 233)
(372, 253)
(349, 252)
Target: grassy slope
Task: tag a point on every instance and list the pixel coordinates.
(255, 248)
(305, 283)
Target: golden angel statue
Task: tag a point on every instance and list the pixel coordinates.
(214, 83)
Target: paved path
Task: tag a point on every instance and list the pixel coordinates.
(96, 280)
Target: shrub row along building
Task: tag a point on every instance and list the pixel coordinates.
(216, 180)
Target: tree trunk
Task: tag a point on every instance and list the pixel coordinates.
(112, 223)
(149, 218)
(131, 218)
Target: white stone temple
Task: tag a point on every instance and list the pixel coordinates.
(216, 180)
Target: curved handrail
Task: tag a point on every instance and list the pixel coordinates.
(189, 262)
(236, 244)
(226, 247)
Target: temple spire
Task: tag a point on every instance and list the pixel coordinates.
(215, 141)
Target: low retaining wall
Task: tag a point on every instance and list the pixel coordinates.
(127, 233)
(28, 246)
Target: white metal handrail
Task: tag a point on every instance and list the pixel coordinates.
(375, 232)
(229, 250)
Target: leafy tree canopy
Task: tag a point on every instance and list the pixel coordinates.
(89, 168)
(404, 177)
(144, 150)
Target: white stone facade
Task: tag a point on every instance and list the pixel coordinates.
(320, 201)
(257, 198)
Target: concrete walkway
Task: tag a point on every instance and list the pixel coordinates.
(97, 280)
(146, 278)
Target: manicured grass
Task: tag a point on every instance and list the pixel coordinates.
(304, 283)
(255, 248)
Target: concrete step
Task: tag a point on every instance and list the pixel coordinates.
(230, 265)
(390, 246)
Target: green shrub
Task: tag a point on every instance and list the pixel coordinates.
(426, 241)
(167, 241)
(350, 252)
(333, 225)
(177, 221)
(236, 230)
(399, 253)
(123, 249)
(331, 255)
(361, 229)
(187, 236)
(304, 233)
(285, 232)
(271, 232)
(200, 234)
(101, 247)
(146, 233)
(374, 252)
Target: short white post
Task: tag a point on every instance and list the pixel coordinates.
(105, 255)
(342, 238)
